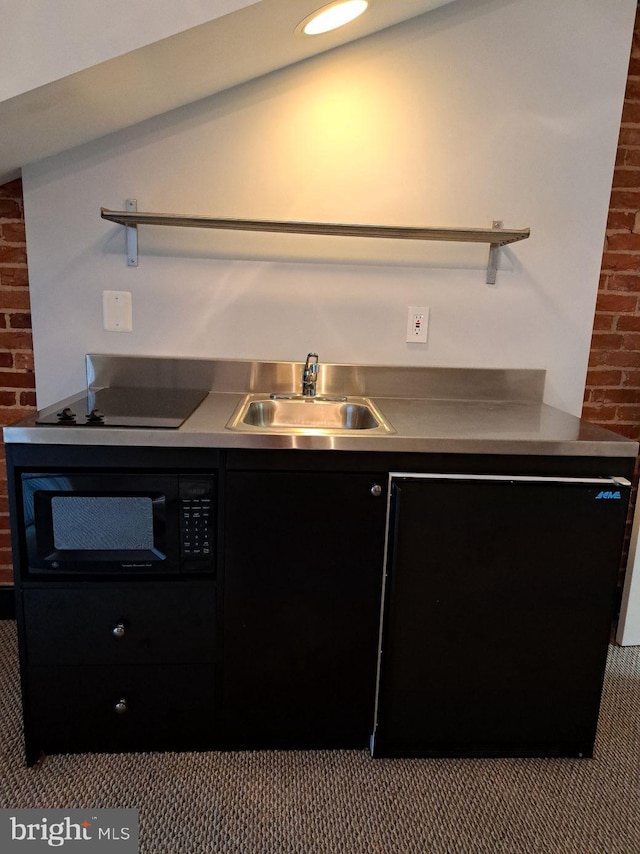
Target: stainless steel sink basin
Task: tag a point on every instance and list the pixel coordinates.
(297, 414)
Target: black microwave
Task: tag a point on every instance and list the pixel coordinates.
(98, 522)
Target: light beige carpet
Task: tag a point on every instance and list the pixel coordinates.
(343, 801)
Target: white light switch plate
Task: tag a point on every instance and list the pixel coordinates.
(116, 311)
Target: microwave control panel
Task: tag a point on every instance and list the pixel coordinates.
(196, 523)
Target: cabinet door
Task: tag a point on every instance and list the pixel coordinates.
(498, 604)
(302, 581)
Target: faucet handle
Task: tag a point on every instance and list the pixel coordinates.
(309, 366)
(309, 374)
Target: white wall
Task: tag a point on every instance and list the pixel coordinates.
(41, 40)
(480, 110)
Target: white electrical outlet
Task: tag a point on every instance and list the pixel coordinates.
(417, 324)
(116, 311)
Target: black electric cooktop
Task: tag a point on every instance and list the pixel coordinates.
(128, 407)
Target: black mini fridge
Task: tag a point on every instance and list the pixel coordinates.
(497, 608)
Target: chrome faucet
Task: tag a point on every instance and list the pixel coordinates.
(309, 382)
(310, 375)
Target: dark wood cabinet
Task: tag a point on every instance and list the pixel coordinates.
(494, 632)
(122, 666)
(303, 575)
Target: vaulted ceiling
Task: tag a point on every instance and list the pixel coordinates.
(174, 71)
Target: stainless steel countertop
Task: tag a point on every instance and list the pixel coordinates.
(422, 426)
(490, 412)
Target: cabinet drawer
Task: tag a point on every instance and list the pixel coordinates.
(73, 709)
(124, 625)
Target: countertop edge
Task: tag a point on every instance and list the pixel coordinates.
(265, 441)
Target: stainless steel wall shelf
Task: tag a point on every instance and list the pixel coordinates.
(496, 236)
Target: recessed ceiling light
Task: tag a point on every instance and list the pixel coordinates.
(332, 16)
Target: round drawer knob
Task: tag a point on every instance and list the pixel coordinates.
(376, 490)
(119, 631)
(120, 707)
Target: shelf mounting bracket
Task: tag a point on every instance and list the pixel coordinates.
(494, 254)
(131, 232)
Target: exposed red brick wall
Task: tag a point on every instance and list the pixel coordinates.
(17, 395)
(612, 392)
